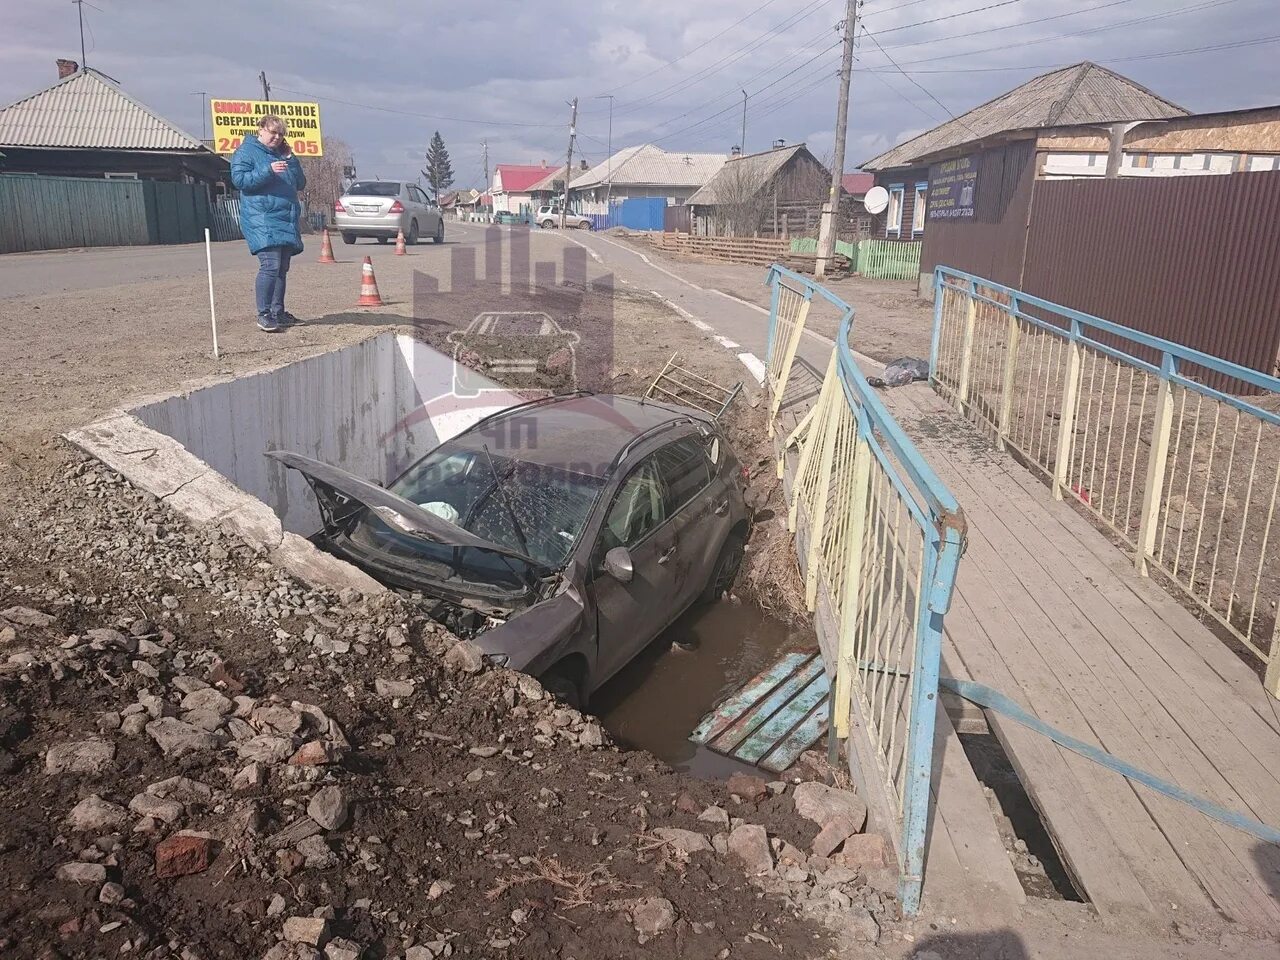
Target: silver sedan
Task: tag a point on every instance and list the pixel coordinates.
(382, 208)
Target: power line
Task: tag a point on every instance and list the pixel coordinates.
(422, 116)
(727, 60)
(1021, 23)
(915, 83)
(1088, 31)
(1230, 45)
(949, 16)
(687, 53)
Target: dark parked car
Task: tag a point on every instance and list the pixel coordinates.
(561, 535)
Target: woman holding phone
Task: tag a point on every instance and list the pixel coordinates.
(269, 176)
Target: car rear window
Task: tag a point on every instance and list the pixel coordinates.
(374, 188)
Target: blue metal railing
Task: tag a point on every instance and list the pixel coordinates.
(886, 584)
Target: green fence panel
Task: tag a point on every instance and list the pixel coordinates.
(50, 213)
(889, 259)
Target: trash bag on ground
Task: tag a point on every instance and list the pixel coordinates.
(902, 371)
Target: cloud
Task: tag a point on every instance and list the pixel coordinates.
(387, 74)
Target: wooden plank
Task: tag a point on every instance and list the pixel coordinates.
(962, 813)
(765, 682)
(800, 739)
(784, 720)
(1070, 650)
(1071, 811)
(738, 731)
(1127, 716)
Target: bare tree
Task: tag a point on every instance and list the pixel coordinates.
(324, 177)
(742, 199)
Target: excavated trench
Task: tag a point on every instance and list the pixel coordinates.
(372, 409)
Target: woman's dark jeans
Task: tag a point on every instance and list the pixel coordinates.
(273, 268)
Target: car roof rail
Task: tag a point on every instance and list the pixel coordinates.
(675, 421)
(536, 402)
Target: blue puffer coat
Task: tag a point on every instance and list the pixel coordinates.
(269, 207)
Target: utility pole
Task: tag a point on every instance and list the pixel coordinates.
(80, 9)
(568, 164)
(608, 163)
(742, 144)
(204, 112)
(266, 87)
(484, 147)
(827, 228)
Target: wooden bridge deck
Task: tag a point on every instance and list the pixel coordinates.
(1050, 613)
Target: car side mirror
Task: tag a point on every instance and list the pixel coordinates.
(617, 564)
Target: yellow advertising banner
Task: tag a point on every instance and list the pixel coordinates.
(233, 120)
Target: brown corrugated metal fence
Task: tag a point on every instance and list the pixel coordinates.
(989, 244)
(1195, 260)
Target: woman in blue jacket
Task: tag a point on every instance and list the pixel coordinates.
(269, 176)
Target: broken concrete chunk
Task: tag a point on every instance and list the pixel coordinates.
(207, 698)
(252, 776)
(182, 789)
(652, 917)
(716, 815)
(864, 851)
(209, 720)
(393, 688)
(93, 813)
(749, 845)
(686, 841)
(340, 949)
(820, 803)
(328, 808)
(168, 811)
(266, 749)
(84, 874)
(747, 787)
(82, 756)
(26, 617)
(312, 930)
(177, 738)
(317, 753)
(280, 721)
(464, 657)
(294, 833)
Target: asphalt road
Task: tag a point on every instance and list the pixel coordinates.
(737, 325)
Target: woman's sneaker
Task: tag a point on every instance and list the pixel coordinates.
(267, 323)
(287, 319)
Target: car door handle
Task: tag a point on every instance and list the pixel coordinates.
(668, 555)
(722, 508)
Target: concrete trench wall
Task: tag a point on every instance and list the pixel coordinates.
(372, 409)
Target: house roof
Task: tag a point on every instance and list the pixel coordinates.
(88, 111)
(647, 165)
(754, 168)
(1078, 95)
(858, 183)
(547, 183)
(519, 178)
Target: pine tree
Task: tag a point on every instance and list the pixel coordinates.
(439, 172)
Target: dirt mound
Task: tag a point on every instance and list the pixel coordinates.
(202, 758)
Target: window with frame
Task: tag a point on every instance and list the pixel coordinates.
(918, 208)
(685, 471)
(893, 214)
(639, 508)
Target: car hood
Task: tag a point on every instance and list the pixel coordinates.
(404, 515)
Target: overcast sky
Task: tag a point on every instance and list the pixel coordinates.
(388, 73)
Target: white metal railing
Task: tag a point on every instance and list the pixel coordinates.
(880, 538)
(1184, 475)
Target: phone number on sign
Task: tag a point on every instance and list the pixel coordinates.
(300, 147)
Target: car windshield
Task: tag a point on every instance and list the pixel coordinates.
(551, 506)
(374, 188)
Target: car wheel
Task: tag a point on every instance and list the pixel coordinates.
(348, 238)
(585, 225)
(439, 237)
(726, 569)
(547, 224)
(563, 687)
(412, 237)
(383, 239)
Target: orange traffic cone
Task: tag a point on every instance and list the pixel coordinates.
(400, 250)
(326, 248)
(369, 296)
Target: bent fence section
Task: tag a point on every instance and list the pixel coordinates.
(879, 538)
(1184, 475)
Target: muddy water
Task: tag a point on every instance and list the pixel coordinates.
(655, 702)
